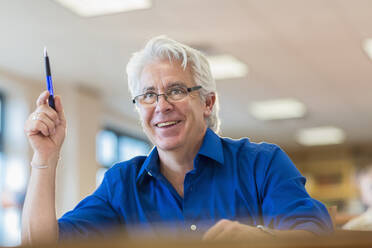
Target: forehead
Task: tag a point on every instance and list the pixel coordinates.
(163, 73)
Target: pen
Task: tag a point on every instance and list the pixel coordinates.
(49, 79)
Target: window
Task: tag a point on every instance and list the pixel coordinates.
(113, 147)
(2, 175)
(14, 168)
(12, 190)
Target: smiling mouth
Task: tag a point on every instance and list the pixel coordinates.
(167, 124)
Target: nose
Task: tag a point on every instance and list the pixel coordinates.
(162, 104)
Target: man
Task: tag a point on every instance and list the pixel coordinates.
(192, 181)
(363, 222)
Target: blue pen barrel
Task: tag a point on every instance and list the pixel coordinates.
(49, 83)
(51, 93)
(51, 102)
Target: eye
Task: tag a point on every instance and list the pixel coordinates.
(149, 95)
(177, 91)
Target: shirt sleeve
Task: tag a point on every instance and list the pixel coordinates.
(285, 203)
(93, 216)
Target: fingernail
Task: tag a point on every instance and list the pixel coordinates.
(54, 131)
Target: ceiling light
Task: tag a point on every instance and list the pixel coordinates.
(89, 8)
(286, 108)
(327, 135)
(227, 66)
(367, 46)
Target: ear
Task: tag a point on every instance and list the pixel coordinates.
(209, 103)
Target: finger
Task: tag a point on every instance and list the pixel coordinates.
(43, 98)
(35, 127)
(59, 109)
(216, 229)
(230, 232)
(49, 112)
(44, 118)
(225, 234)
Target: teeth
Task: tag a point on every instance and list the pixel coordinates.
(163, 124)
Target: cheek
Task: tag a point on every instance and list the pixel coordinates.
(145, 116)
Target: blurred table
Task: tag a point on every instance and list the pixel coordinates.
(340, 239)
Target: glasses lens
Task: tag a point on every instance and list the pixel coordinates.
(177, 93)
(148, 98)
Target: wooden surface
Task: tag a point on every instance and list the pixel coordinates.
(341, 239)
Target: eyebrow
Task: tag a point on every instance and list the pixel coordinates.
(172, 84)
(148, 88)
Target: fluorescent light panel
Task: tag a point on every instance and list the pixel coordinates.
(226, 66)
(367, 46)
(89, 8)
(316, 136)
(278, 109)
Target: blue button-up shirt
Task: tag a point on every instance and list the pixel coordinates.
(256, 184)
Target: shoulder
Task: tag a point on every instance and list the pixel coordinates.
(361, 222)
(358, 223)
(127, 169)
(244, 147)
(258, 159)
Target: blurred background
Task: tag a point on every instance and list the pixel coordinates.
(292, 72)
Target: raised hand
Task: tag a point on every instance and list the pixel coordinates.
(46, 129)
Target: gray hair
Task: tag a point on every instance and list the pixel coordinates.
(161, 47)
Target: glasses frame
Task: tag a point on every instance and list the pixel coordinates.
(191, 89)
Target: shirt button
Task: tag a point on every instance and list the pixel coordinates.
(193, 227)
(149, 173)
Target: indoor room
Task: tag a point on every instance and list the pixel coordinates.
(293, 73)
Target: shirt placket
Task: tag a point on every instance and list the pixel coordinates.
(191, 205)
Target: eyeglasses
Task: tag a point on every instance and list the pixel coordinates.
(173, 94)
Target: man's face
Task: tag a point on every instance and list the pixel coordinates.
(172, 125)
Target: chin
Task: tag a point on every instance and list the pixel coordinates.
(169, 143)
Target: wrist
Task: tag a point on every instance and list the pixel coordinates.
(40, 161)
(266, 230)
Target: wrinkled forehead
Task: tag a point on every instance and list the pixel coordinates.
(160, 75)
(166, 86)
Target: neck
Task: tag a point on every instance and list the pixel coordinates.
(180, 160)
(174, 164)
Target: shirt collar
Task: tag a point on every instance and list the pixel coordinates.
(211, 148)
(151, 163)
